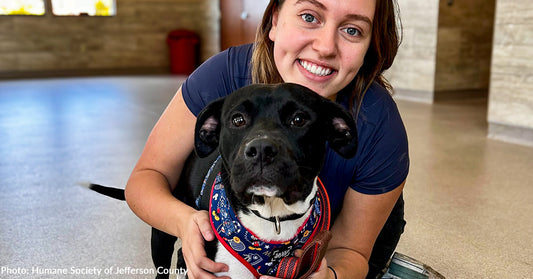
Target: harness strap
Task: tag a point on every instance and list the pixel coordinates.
(313, 251)
(309, 262)
(203, 199)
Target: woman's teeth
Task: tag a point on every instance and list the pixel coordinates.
(315, 69)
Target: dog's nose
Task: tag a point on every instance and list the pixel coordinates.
(261, 150)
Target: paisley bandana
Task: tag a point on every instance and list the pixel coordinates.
(259, 256)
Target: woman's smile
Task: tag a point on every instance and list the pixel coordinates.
(321, 44)
(316, 69)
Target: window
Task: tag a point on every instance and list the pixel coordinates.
(83, 7)
(22, 7)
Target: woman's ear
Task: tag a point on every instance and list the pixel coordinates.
(273, 29)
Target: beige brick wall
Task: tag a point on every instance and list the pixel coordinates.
(464, 45)
(445, 49)
(133, 40)
(510, 113)
(413, 71)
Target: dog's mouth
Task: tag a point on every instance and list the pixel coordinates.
(273, 203)
(260, 193)
(264, 191)
(257, 194)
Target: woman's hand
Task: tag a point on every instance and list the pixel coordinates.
(193, 237)
(322, 273)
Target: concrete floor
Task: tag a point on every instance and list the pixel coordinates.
(468, 203)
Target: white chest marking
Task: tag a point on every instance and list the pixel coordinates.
(236, 268)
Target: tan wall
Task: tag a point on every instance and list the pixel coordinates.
(464, 45)
(510, 113)
(133, 40)
(445, 49)
(413, 71)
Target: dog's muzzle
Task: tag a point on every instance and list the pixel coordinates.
(261, 150)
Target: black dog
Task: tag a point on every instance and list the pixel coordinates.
(263, 146)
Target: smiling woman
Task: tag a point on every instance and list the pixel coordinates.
(339, 49)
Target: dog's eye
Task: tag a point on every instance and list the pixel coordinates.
(238, 120)
(298, 120)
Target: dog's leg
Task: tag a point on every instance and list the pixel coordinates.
(162, 249)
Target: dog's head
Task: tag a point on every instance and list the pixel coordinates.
(272, 139)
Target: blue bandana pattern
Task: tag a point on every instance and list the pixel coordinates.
(260, 257)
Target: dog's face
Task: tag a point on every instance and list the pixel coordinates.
(272, 139)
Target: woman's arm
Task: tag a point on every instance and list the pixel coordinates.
(149, 189)
(355, 230)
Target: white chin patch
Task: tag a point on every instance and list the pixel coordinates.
(267, 191)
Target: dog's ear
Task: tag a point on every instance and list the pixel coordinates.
(207, 130)
(341, 130)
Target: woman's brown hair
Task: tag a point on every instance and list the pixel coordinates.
(379, 56)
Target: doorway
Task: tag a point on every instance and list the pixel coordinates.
(464, 49)
(239, 21)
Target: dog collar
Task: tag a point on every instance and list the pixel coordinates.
(277, 220)
(259, 256)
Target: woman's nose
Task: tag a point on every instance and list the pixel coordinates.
(325, 41)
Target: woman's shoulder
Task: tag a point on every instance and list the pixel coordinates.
(382, 160)
(241, 52)
(376, 102)
(376, 107)
(239, 58)
(234, 61)
(220, 75)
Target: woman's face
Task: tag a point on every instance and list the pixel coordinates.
(321, 44)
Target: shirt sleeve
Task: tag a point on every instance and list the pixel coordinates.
(206, 83)
(383, 157)
(220, 75)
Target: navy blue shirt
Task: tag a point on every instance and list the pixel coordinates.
(382, 160)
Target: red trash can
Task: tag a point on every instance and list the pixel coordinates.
(183, 46)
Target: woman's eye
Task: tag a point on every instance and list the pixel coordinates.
(352, 31)
(308, 18)
(298, 120)
(238, 120)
